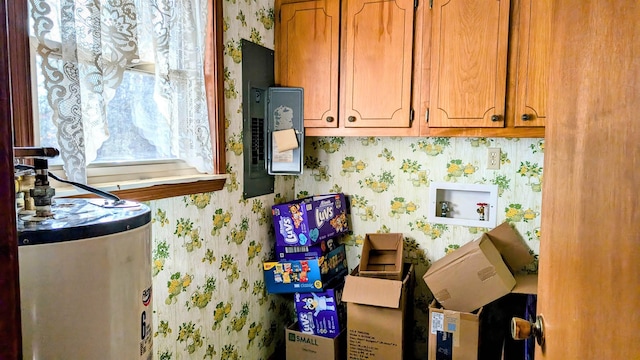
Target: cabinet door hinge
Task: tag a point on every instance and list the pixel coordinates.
(415, 4)
(411, 116)
(430, 4)
(426, 116)
(280, 15)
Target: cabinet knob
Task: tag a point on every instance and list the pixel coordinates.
(351, 118)
(330, 119)
(525, 117)
(495, 117)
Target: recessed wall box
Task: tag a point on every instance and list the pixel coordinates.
(457, 204)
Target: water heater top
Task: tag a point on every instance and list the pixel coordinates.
(76, 219)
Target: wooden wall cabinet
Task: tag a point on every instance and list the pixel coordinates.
(307, 55)
(534, 47)
(355, 66)
(489, 63)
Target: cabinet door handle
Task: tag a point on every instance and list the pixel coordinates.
(330, 119)
(351, 118)
(495, 117)
(525, 117)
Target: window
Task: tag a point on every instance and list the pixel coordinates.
(139, 144)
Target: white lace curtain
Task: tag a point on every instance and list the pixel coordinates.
(98, 40)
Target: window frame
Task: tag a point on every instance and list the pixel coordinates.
(155, 188)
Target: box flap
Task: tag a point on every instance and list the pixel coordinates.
(514, 250)
(385, 241)
(372, 291)
(526, 284)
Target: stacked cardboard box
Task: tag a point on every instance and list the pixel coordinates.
(322, 313)
(462, 282)
(307, 238)
(308, 275)
(382, 256)
(308, 221)
(378, 294)
(312, 347)
(307, 250)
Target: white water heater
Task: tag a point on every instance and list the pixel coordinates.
(85, 282)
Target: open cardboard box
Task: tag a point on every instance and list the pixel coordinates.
(479, 271)
(379, 318)
(382, 256)
(457, 334)
(453, 334)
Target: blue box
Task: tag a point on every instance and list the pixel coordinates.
(321, 313)
(307, 221)
(310, 275)
(306, 252)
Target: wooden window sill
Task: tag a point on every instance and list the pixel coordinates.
(151, 190)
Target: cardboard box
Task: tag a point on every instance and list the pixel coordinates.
(321, 313)
(306, 252)
(378, 318)
(310, 220)
(484, 334)
(382, 256)
(312, 275)
(302, 346)
(476, 274)
(453, 335)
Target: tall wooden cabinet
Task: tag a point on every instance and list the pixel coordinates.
(372, 85)
(489, 63)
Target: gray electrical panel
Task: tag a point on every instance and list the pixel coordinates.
(257, 77)
(273, 125)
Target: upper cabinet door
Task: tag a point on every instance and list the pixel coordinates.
(533, 62)
(469, 63)
(377, 67)
(307, 56)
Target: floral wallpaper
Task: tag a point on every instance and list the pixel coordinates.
(209, 296)
(388, 181)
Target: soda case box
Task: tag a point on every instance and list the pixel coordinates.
(305, 252)
(310, 275)
(310, 220)
(322, 313)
